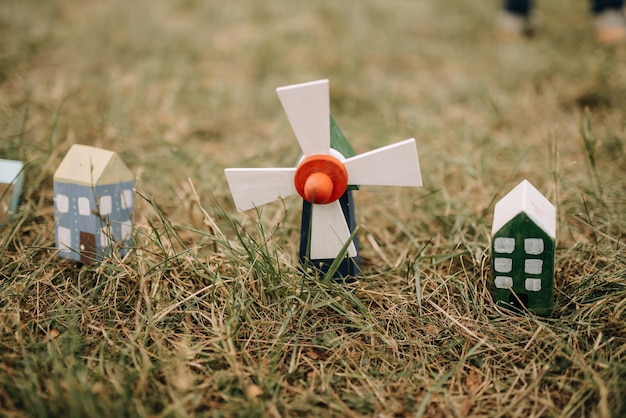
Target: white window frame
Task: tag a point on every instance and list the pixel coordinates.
(64, 237)
(533, 266)
(504, 245)
(533, 246)
(503, 282)
(62, 203)
(84, 207)
(502, 264)
(105, 239)
(126, 230)
(532, 284)
(126, 199)
(105, 205)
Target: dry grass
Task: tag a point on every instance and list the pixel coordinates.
(209, 315)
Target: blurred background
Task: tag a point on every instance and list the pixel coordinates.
(182, 89)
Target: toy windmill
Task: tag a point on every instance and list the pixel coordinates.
(323, 174)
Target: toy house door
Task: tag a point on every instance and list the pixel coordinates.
(87, 247)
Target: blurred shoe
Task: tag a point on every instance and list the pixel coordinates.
(610, 27)
(512, 26)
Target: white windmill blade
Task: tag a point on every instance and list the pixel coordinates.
(329, 232)
(253, 187)
(393, 165)
(308, 111)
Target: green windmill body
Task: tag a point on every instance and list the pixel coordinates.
(523, 244)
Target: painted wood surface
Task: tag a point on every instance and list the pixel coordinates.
(348, 269)
(92, 166)
(93, 204)
(307, 108)
(11, 179)
(254, 187)
(523, 250)
(393, 165)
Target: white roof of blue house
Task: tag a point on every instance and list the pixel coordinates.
(92, 166)
(525, 198)
(10, 170)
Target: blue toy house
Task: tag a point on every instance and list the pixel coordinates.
(93, 204)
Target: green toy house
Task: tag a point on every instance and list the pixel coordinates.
(522, 248)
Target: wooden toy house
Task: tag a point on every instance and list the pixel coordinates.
(523, 243)
(93, 204)
(11, 178)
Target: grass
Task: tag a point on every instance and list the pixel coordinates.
(209, 314)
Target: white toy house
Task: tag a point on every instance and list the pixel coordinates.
(11, 178)
(93, 204)
(523, 244)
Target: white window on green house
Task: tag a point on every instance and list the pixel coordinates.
(126, 199)
(106, 205)
(62, 202)
(503, 265)
(83, 206)
(504, 245)
(65, 238)
(533, 285)
(504, 282)
(533, 266)
(533, 246)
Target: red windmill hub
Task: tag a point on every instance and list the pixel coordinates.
(321, 179)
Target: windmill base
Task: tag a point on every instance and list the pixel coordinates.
(348, 269)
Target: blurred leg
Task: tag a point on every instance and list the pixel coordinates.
(514, 19)
(519, 7)
(609, 23)
(598, 6)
